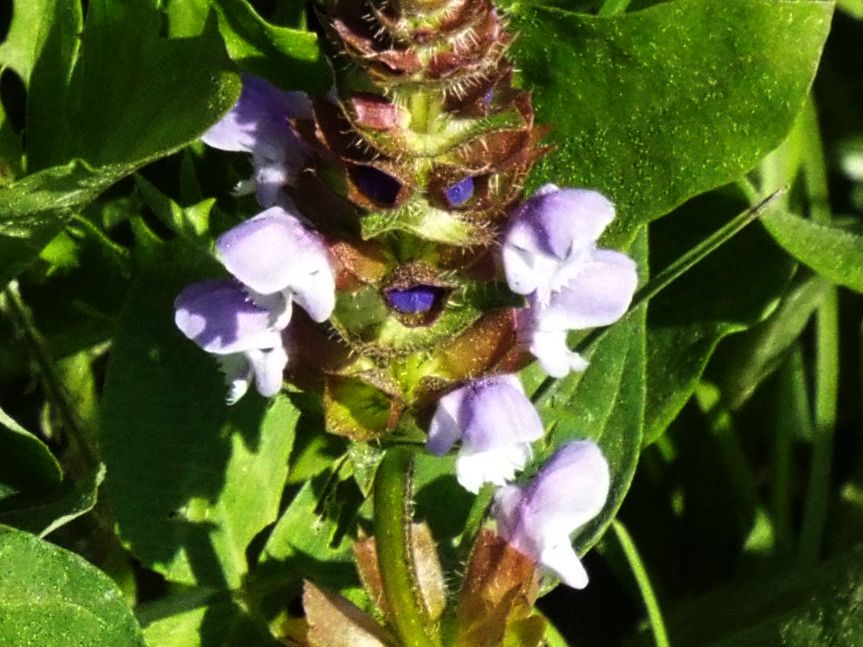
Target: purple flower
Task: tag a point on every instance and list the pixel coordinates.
(259, 124)
(276, 261)
(495, 422)
(280, 261)
(220, 318)
(550, 254)
(538, 518)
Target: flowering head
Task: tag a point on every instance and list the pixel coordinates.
(538, 518)
(495, 422)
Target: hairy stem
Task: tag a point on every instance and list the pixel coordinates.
(392, 501)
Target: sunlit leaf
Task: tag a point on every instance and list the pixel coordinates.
(191, 480)
(653, 107)
(53, 598)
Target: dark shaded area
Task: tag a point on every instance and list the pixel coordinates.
(13, 94)
(376, 185)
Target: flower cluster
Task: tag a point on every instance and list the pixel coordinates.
(399, 298)
(496, 423)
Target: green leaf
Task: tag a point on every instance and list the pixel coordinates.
(653, 107)
(35, 209)
(136, 98)
(213, 620)
(20, 49)
(308, 541)
(792, 607)
(736, 286)
(42, 515)
(10, 150)
(125, 102)
(53, 598)
(26, 463)
(834, 251)
(744, 360)
(605, 404)
(191, 480)
(290, 58)
(853, 7)
(193, 223)
(48, 91)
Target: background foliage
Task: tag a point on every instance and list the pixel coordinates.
(137, 507)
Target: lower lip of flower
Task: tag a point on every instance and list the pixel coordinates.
(418, 299)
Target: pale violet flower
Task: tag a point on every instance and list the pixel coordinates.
(220, 318)
(538, 518)
(259, 124)
(495, 422)
(280, 261)
(550, 255)
(276, 261)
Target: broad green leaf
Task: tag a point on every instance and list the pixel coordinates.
(26, 463)
(133, 99)
(793, 607)
(42, 515)
(21, 46)
(290, 58)
(734, 287)
(35, 209)
(653, 107)
(217, 620)
(53, 598)
(58, 45)
(605, 404)
(309, 541)
(191, 480)
(313, 540)
(834, 251)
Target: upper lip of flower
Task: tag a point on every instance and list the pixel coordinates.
(275, 253)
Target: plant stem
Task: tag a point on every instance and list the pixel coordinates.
(722, 426)
(392, 502)
(793, 419)
(826, 356)
(654, 613)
